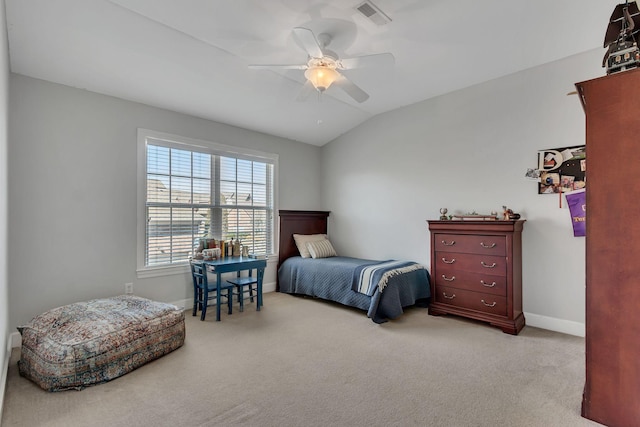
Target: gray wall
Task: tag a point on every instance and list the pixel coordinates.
(466, 151)
(5, 330)
(72, 198)
(72, 193)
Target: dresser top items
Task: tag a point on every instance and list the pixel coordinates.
(468, 225)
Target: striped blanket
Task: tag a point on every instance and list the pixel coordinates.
(370, 277)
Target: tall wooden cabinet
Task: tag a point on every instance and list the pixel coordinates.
(476, 271)
(612, 388)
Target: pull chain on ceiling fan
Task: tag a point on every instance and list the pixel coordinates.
(321, 69)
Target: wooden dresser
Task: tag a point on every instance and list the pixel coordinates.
(612, 387)
(476, 270)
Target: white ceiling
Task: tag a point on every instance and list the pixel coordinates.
(192, 56)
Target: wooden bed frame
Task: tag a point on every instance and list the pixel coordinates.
(298, 222)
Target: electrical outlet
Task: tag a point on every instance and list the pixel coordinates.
(128, 288)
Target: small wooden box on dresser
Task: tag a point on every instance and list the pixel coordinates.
(476, 270)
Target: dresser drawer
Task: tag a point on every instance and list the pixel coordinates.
(478, 282)
(483, 264)
(478, 301)
(470, 244)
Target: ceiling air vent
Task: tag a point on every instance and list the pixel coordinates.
(373, 13)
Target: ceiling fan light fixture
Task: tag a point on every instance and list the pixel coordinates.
(321, 77)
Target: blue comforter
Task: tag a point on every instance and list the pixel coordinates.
(332, 279)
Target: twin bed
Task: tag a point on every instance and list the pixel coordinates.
(381, 288)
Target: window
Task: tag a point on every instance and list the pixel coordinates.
(194, 189)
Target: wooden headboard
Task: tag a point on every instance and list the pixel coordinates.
(299, 222)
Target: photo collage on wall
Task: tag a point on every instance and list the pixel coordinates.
(561, 170)
(564, 171)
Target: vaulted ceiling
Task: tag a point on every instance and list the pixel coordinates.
(192, 56)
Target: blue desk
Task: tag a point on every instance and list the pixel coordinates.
(237, 264)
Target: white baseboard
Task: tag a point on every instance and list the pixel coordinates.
(557, 325)
(536, 320)
(5, 372)
(188, 303)
(15, 339)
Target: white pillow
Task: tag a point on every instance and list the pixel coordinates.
(302, 239)
(321, 249)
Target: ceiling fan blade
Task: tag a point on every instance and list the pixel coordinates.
(278, 66)
(308, 41)
(351, 89)
(305, 91)
(376, 60)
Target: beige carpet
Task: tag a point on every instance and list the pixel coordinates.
(304, 362)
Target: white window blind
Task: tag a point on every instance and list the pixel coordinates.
(193, 191)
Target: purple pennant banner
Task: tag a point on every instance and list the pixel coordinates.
(578, 207)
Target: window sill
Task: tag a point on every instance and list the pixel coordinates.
(170, 270)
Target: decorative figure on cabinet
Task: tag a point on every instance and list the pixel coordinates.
(443, 212)
(621, 38)
(509, 215)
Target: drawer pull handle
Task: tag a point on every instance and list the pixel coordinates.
(486, 265)
(449, 279)
(448, 262)
(493, 245)
(453, 242)
(444, 294)
(488, 285)
(488, 305)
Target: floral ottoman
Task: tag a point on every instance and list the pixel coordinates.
(87, 343)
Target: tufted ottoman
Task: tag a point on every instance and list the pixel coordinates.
(86, 343)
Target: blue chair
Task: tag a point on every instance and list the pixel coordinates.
(203, 291)
(244, 285)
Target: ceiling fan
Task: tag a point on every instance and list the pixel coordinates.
(323, 65)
